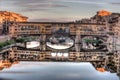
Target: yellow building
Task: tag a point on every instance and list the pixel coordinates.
(11, 16)
(6, 17)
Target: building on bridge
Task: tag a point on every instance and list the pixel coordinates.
(37, 28)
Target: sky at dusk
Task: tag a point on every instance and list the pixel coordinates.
(59, 10)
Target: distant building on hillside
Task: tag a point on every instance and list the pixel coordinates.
(112, 21)
(11, 16)
(7, 17)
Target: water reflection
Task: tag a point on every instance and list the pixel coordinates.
(55, 71)
(59, 42)
(7, 64)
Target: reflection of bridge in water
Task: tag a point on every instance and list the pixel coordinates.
(90, 45)
(101, 61)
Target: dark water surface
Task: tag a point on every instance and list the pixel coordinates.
(54, 71)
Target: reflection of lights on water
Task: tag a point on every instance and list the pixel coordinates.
(1, 67)
(53, 54)
(59, 54)
(32, 44)
(101, 69)
(56, 43)
(7, 64)
(65, 54)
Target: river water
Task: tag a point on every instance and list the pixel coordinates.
(54, 71)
